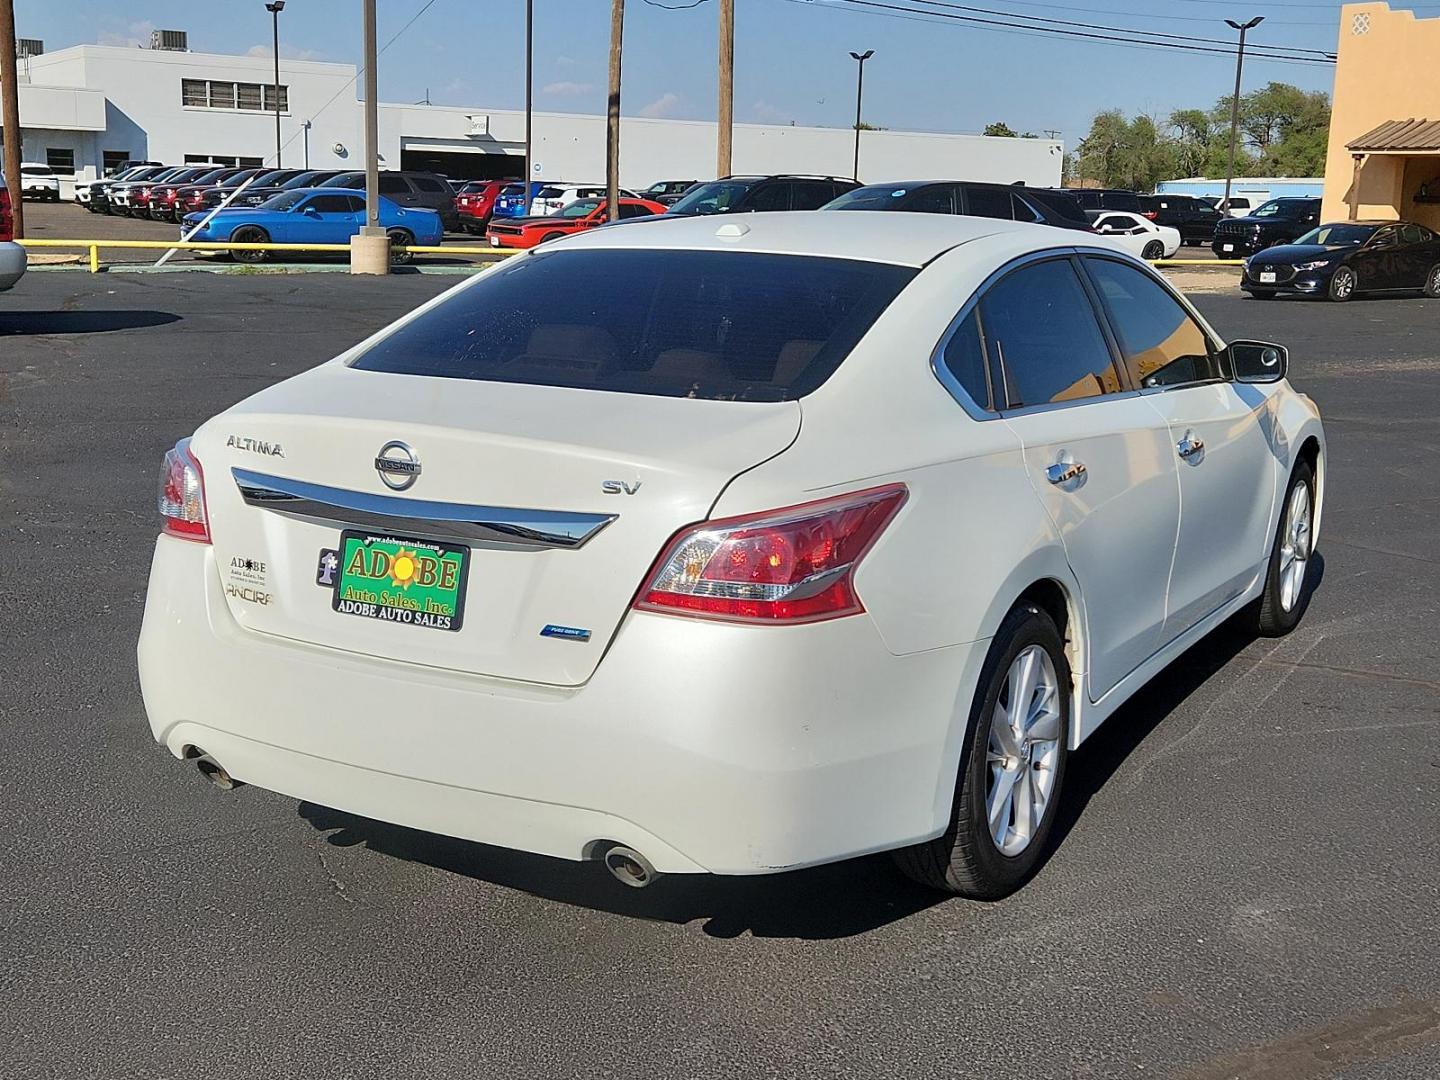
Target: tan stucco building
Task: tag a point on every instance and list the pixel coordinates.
(1383, 159)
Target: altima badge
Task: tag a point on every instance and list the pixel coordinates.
(397, 465)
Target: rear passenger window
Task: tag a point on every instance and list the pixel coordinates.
(964, 358)
(1161, 343)
(988, 202)
(628, 210)
(1023, 210)
(1040, 325)
(390, 184)
(811, 194)
(770, 197)
(426, 183)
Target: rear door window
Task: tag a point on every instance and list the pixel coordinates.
(428, 183)
(391, 184)
(1042, 329)
(774, 196)
(810, 194)
(727, 325)
(964, 358)
(934, 199)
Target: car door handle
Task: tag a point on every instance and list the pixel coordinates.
(1063, 472)
(1189, 446)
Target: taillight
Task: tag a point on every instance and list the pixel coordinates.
(182, 495)
(1151, 214)
(7, 216)
(791, 565)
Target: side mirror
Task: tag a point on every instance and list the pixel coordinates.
(1258, 361)
(310, 211)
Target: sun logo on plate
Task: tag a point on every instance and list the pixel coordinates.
(403, 567)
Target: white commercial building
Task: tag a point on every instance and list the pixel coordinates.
(85, 109)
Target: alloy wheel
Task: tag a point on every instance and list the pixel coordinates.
(1344, 283)
(1295, 546)
(1022, 751)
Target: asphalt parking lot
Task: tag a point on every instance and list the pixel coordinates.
(1245, 884)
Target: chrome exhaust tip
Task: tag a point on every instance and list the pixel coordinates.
(213, 771)
(629, 867)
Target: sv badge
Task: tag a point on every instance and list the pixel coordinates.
(619, 487)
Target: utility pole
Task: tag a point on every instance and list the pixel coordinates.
(859, 96)
(370, 248)
(612, 113)
(275, 8)
(10, 120)
(529, 102)
(1235, 101)
(726, 111)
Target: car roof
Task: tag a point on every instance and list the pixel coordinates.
(868, 235)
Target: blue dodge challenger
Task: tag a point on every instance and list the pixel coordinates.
(313, 216)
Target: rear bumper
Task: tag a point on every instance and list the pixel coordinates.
(706, 747)
(12, 264)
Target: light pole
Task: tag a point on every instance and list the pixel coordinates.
(275, 7)
(529, 103)
(1235, 100)
(859, 95)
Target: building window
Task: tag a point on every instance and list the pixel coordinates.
(250, 162)
(60, 161)
(113, 159)
(251, 97)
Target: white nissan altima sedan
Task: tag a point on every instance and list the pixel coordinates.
(730, 546)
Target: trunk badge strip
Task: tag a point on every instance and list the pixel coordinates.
(499, 525)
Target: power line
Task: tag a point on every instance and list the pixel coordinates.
(1115, 29)
(890, 10)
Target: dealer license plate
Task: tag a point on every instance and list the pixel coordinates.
(1267, 277)
(1227, 247)
(399, 580)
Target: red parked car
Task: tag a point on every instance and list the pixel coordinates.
(475, 203)
(582, 214)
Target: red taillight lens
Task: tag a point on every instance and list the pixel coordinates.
(182, 495)
(1151, 214)
(7, 216)
(784, 566)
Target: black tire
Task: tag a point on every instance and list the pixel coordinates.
(1153, 250)
(399, 240)
(1342, 285)
(964, 860)
(1432, 283)
(250, 234)
(551, 236)
(1272, 617)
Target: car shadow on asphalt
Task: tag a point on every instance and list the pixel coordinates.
(46, 323)
(825, 902)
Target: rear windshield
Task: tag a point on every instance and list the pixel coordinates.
(1065, 206)
(880, 197)
(704, 324)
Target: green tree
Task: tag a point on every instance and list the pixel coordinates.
(1000, 129)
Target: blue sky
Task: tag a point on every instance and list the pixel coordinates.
(792, 61)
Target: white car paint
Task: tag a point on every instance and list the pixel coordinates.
(706, 745)
(12, 255)
(1136, 233)
(38, 181)
(565, 194)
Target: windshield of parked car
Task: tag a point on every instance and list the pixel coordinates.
(577, 209)
(284, 200)
(36, 170)
(1338, 235)
(714, 198)
(729, 325)
(879, 197)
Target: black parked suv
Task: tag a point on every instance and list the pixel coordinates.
(429, 191)
(1278, 221)
(744, 194)
(1193, 218)
(1008, 202)
(1105, 198)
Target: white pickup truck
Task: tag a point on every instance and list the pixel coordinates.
(12, 255)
